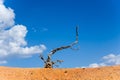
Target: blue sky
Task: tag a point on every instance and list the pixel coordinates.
(53, 22)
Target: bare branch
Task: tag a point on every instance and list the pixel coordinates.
(76, 41)
(64, 47)
(48, 62)
(41, 57)
(60, 61)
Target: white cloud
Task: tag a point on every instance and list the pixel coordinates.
(94, 65)
(3, 62)
(12, 37)
(1, 1)
(108, 60)
(112, 59)
(6, 17)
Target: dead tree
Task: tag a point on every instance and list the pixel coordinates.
(48, 63)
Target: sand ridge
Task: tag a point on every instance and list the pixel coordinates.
(102, 73)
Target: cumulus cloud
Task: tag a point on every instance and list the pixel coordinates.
(93, 65)
(6, 16)
(12, 37)
(1, 1)
(112, 59)
(107, 60)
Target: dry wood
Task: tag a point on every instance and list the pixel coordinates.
(48, 63)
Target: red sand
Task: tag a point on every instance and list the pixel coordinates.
(102, 73)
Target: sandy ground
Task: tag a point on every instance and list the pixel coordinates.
(103, 73)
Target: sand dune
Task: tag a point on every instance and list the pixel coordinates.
(103, 73)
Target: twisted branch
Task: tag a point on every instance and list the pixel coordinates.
(48, 62)
(64, 47)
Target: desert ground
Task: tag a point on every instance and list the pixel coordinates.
(101, 73)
